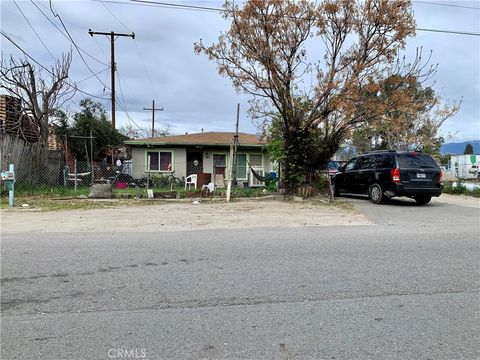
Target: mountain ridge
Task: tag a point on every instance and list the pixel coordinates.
(459, 147)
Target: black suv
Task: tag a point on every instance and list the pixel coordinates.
(384, 174)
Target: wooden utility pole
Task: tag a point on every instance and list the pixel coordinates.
(112, 35)
(235, 148)
(153, 116)
(232, 168)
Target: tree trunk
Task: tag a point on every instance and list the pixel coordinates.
(306, 152)
(296, 162)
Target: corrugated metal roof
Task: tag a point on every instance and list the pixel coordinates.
(206, 138)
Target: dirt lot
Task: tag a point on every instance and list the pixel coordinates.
(174, 216)
(119, 216)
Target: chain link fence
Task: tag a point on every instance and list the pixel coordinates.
(73, 178)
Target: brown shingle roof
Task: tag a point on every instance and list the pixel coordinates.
(206, 138)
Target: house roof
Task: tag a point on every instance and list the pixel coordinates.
(206, 138)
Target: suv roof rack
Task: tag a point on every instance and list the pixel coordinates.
(379, 151)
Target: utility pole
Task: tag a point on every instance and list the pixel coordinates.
(232, 169)
(112, 35)
(153, 116)
(235, 149)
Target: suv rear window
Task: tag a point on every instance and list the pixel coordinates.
(416, 160)
(385, 161)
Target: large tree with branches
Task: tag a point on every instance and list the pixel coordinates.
(265, 55)
(41, 91)
(402, 111)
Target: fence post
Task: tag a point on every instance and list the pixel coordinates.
(75, 171)
(30, 176)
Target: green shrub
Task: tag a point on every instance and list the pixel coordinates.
(458, 189)
(248, 192)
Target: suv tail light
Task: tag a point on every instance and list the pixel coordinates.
(395, 175)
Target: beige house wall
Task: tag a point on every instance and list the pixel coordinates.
(139, 161)
(179, 156)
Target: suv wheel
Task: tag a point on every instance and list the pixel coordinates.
(422, 200)
(335, 190)
(376, 194)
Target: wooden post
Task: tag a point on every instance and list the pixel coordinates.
(230, 166)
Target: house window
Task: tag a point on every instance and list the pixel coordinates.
(241, 166)
(152, 158)
(159, 161)
(220, 160)
(256, 161)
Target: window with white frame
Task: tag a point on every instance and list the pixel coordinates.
(159, 161)
(256, 160)
(220, 160)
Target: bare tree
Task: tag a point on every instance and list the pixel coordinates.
(265, 55)
(40, 94)
(144, 132)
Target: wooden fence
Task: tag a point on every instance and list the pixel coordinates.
(34, 163)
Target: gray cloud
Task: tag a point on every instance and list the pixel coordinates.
(188, 86)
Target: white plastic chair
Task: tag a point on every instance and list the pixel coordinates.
(191, 180)
(210, 187)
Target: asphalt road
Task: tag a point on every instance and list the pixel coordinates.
(404, 288)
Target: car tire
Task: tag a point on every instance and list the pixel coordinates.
(422, 200)
(375, 193)
(335, 190)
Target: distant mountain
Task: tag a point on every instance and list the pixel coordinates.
(458, 148)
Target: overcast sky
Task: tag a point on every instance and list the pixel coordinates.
(160, 63)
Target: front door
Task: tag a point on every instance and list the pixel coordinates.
(194, 162)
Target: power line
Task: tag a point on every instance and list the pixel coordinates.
(123, 101)
(45, 68)
(147, 73)
(91, 76)
(61, 32)
(33, 29)
(25, 53)
(113, 35)
(165, 4)
(87, 93)
(205, 8)
(449, 32)
(76, 47)
(114, 16)
(450, 5)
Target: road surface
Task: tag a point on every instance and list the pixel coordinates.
(406, 287)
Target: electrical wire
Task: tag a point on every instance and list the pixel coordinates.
(33, 29)
(61, 32)
(205, 8)
(76, 47)
(449, 32)
(165, 4)
(91, 76)
(147, 73)
(124, 107)
(45, 68)
(450, 5)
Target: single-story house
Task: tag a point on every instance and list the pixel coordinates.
(200, 153)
